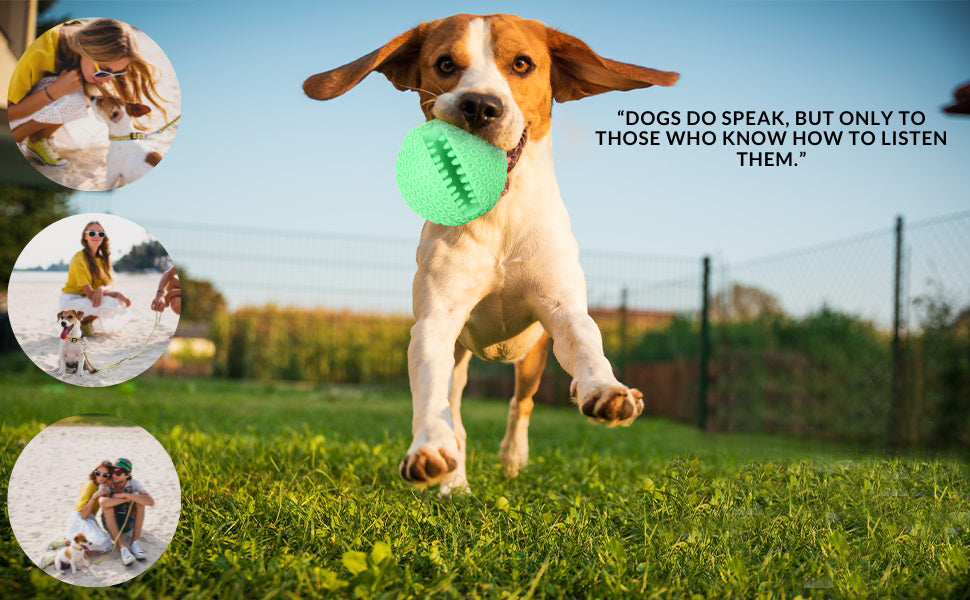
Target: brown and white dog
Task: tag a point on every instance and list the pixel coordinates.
(501, 285)
(74, 554)
(71, 354)
(129, 155)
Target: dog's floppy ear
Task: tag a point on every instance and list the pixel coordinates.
(80, 314)
(578, 72)
(137, 110)
(397, 60)
(60, 314)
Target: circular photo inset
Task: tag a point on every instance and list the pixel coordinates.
(94, 500)
(94, 104)
(94, 300)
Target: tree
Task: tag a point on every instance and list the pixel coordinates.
(24, 211)
(147, 256)
(743, 303)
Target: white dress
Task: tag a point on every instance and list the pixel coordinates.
(69, 107)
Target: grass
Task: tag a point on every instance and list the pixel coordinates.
(291, 491)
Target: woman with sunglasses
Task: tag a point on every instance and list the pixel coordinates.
(89, 280)
(64, 67)
(83, 519)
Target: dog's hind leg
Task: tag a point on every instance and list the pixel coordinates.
(457, 481)
(528, 372)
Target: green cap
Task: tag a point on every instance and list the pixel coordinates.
(123, 464)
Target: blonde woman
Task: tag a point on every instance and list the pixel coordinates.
(66, 65)
(89, 278)
(83, 518)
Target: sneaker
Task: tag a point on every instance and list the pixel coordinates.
(87, 329)
(126, 557)
(47, 560)
(137, 551)
(58, 543)
(44, 151)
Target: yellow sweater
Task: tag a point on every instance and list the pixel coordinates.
(38, 61)
(79, 275)
(87, 490)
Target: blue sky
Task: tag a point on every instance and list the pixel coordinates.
(252, 150)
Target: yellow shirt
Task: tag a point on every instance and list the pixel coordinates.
(87, 490)
(38, 61)
(79, 275)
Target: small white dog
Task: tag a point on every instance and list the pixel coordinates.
(129, 155)
(74, 554)
(72, 344)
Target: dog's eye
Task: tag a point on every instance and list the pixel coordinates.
(444, 65)
(523, 65)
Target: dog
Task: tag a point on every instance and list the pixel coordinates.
(71, 355)
(501, 285)
(129, 156)
(74, 554)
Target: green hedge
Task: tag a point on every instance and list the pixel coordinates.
(311, 345)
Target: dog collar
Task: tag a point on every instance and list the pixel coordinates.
(131, 136)
(74, 340)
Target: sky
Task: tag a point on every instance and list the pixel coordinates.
(253, 151)
(60, 241)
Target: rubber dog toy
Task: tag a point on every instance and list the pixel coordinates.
(448, 175)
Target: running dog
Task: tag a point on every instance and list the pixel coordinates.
(501, 285)
(74, 554)
(129, 156)
(71, 355)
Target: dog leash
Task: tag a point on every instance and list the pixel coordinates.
(114, 542)
(158, 318)
(140, 136)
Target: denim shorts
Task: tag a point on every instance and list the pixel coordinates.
(121, 512)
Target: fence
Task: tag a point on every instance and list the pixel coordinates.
(798, 342)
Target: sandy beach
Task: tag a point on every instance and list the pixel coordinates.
(33, 307)
(45, 481)
(84, 142)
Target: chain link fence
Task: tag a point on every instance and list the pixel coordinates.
(798, 342)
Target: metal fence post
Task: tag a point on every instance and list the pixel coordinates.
(896, 401)
(624, 336)
(705, 345)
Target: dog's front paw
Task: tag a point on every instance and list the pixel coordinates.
(610, 404)
(433, 455)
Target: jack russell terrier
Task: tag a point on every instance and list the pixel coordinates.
(74, 554)
(501, 285)
(129, 155)
(71, 354)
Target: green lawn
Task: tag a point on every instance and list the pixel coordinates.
(291, 491)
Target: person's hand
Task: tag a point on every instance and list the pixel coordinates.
(96, 297)
(159, 304)
(123, 298)
(66, 83)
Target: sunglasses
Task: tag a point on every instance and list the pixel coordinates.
(120, 472)
(102, 475)
(95, 234)
(100, 73)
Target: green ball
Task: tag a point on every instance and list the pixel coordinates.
(448, 175)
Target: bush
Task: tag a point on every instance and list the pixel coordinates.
(311, 345)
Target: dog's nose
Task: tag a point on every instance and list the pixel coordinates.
(480, 109)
